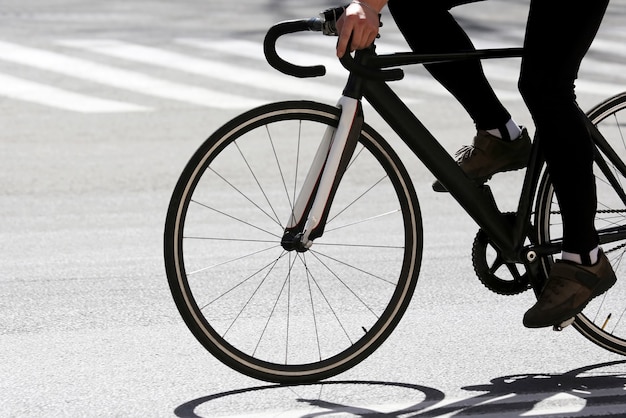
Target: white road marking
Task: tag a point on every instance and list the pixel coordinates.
(30, 91)
(231, 72)
(119, 78)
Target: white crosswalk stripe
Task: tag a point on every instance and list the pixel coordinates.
(252, 50)
(264, 80)
(119, 78)
(233, 74)
(29, 91)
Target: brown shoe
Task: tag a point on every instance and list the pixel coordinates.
(568, 290)
(489, 155)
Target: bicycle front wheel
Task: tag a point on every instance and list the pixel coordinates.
(288, 316)
(603, 321)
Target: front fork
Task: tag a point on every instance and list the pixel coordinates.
(311, 208)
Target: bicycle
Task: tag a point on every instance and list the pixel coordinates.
(293, 238)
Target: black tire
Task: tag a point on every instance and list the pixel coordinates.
(603, 321)
(277, 315)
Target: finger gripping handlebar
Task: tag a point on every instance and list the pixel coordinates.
(325, 25)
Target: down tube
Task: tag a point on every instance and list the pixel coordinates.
(476, 202)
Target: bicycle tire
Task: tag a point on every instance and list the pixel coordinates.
(240, 293)
(603, 321)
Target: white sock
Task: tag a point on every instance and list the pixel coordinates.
(578, 259)
(513, 131)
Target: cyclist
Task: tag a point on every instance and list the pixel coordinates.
(558, 35)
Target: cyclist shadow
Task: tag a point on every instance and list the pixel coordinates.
(576, 393)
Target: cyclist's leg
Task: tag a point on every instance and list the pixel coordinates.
(558, 36)
(602, 321)
(429, 27)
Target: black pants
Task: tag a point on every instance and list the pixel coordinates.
(558, 35)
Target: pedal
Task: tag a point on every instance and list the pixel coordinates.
(563, 324)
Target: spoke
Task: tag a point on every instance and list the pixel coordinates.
(308, 280)
(292, 199)
(271, 263)
(288, 311)
(371, 218)
(321, 254)
(271, 314)
(619, 129)
(279, 166)
(617, 262)
(356, 199)
(276, 219)
(263, 241)
(328, 303)
(618, 322)
(355, 156)
(232, 260)
(372, 246)
(235, 218)
(245, 196)
(331, 271)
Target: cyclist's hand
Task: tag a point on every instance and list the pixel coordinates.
(359, 21)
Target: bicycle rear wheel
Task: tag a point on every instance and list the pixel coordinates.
(278, 315)
(603, 321)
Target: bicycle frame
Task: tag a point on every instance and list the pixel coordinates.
(477, 200)
(368, 80)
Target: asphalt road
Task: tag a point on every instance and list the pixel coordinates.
(102, 103)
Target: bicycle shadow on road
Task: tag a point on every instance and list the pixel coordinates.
(582, 392)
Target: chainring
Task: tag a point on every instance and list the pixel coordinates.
(493, 272)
